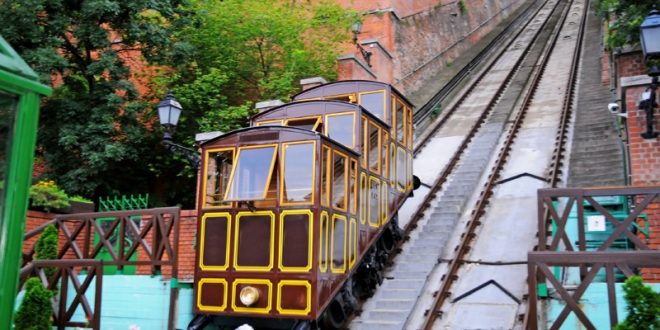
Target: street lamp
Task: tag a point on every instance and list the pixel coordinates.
(650, 40)
(357, 29)
(169, 111)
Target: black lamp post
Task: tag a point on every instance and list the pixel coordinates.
(650, 40)
(169, 111)
(357, 29)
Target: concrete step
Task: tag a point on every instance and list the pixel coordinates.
(388, 315)
(376, 325)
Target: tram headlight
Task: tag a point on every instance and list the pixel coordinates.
(249, 295)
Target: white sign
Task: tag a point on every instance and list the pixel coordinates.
(596, 223)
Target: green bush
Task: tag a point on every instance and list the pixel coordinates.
(46, 247)
(643, 306)
(36, 308)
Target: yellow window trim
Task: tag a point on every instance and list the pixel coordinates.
(264, 310)
(308, 305)
(346, 173)
(363, 197)
(202, 266)
(373, 179)
(410, 170)
(323, 242)
(353, 169)
(310, 220)
(384, 101)
(352, 237)
(332, 245)
(392, 174)
(341, 114)
(283, 162)
(206, 173)
(409, 127)
(385, 207)
(268, 122)
(270, 171)
(380, 137)
(351, 97)
(272, 242)
(325, 150)
(400, 150)
(365, 142)
(206, 308)
(386, 157)
(316, 124)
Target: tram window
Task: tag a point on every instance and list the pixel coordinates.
(340, 127)
(385, 153)
(350, 98)
(399, 121)
(298, 173)
(325, 176)
(409, 128)
(374, 147)
(374, 202)
(410, 171)
(363, 134)
(401, 169)
(392, 164)
(338, 249)
(251, 177)
(385, 207)
(276, 122)
(339, 177)
(363, 198)
(375, 103)
(218, 169)
(352, 191)
(311, 124)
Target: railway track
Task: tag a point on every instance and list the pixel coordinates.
(509, 82)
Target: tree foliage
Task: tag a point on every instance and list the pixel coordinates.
(643, 306)
(36, 309)
(243, 51)
(94, 132)
(627, 16)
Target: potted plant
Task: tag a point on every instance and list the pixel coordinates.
(46, 196)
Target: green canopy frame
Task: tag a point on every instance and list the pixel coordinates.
(20, 85)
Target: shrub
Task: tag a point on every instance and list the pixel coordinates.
(48, 195)
(46, 247)
(36, 308)
(643, 306)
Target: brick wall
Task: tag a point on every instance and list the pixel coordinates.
(644, 154)
(423, 37)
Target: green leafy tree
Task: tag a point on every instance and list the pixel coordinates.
(46, 247)
(36, 309)
(244, 51)
(94, 134)
(643, 306)
(627, 16)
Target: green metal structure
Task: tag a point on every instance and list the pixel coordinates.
(20, 91)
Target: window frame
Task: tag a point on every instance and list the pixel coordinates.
(316, 124)
(282, 164)
(384, 110)
(327, 121)
(332, 179)
(270, 174)
(341, 270)
(310, 242)
(202, 229)
(270, 122)
(380, 202)
(207, 152)
(240, 268)
(379, 147)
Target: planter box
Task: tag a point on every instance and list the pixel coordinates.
(77, 207)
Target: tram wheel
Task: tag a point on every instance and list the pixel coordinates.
(333, 316)
(387, 241)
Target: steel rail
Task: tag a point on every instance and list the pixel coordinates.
(464, 246)
(425, 111)
(442, 178)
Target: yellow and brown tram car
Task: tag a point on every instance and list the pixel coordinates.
(296, 213)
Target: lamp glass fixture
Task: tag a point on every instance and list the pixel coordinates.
(650, 34)
(169, 110)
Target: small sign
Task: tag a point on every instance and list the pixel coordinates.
(596, 223)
